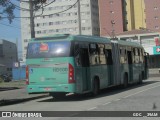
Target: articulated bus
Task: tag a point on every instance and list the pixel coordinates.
(79, 64)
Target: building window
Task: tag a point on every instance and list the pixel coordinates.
(156, 27)
(83, 21)
(110, 2)
(37, 24)
(156, 17)
(155, 8)
(50, 23)
(111, 11)
(38, 32)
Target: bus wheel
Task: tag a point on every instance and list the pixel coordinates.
(140, 79)
(125, 84)
(95, 88)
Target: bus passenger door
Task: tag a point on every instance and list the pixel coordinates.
(85, 68)
(130, 65)
(108, 54)
(82, 68)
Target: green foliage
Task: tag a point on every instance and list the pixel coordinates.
(38, 4)
(6, 10)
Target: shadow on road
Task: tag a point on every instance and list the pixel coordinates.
(8, 88)
(103, 93)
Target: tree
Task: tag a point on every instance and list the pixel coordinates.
(6, 10)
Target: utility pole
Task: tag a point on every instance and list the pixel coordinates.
(79, 17)
(31, 19)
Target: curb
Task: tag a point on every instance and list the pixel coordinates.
(16, 101)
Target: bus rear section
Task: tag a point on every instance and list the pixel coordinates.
(50, 68)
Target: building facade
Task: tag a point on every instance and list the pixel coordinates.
(82, 18)
(111, 17)
(153, 14)
(135, 14)
(8, 56)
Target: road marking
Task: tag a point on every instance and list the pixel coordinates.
(106, 103)
(141, 91)
(92, 108)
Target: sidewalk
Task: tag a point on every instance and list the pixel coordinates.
(155, 72)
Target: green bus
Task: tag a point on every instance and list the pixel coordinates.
(79, 64)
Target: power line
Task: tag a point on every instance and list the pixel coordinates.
(50, 14)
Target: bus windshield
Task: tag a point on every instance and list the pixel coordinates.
(48, 49)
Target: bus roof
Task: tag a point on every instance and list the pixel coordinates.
(68, 37)
(92, 39)
(128, 43)
(84, 38)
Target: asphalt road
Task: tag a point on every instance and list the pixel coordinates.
(145, 97)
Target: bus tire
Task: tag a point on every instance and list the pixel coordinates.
(140, 79)
(95, 90)
(125, 84)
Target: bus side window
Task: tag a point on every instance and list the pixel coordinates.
(123, 55)
(76, 49)
(77, 59)
(77, 54)
(102, 58)
(136, 56)
(141, 56)
(93, 50)
(81, 54)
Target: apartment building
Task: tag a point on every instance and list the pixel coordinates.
(111, 17)
(117, 16)
(153, 14)
(61, 18)
(135, 14)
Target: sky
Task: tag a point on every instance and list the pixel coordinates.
(12, 32)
